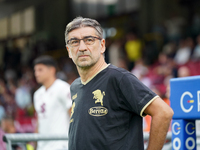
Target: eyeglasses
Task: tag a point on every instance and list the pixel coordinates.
(88, 40)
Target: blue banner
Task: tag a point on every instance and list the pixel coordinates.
(183, 134)
(185, 97)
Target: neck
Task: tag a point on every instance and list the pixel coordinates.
(87, 73)
(49, 82)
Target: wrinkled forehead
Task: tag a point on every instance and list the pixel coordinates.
(82, 32)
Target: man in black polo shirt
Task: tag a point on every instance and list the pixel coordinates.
(108, 103)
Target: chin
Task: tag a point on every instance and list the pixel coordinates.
(85, 65)
(39, 81)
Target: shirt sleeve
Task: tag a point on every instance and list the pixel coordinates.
(65, 96)
(34, 101)
(137, 95)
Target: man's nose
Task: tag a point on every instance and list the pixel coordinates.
(82, 46)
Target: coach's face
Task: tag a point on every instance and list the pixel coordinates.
(43, 73)
(83, 55)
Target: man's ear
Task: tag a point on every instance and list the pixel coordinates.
(69, 52)
(103, 47)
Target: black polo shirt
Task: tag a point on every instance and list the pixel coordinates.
(107, 111)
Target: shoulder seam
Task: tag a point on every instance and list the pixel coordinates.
(123, 74)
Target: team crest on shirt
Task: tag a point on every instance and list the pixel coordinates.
(98, 110)
(98, 95)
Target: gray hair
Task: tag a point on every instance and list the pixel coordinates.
(79, 22)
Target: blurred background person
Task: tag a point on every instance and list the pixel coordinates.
(196, 53)
(184, 51)
(23, 95)
(183, 71)
(115, 53)
(52, 103)
(133, 48)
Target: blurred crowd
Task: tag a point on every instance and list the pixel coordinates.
(152, 63)
(178, 57)
(17, 84)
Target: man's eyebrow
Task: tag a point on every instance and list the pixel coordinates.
(73, 39)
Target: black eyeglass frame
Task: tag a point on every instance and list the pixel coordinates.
(83, 39)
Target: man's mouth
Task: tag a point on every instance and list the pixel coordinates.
(83, 56)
